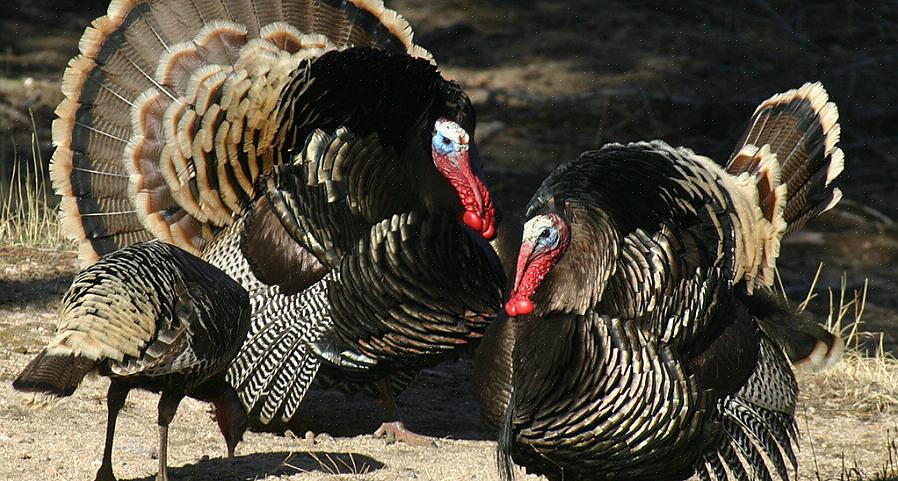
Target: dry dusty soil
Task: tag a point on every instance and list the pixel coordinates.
(549, 80)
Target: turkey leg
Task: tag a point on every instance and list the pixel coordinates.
(168, 405)
(115, 400)
(393, 429)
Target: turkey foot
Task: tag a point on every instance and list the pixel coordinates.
(395, 431)
(392, 429)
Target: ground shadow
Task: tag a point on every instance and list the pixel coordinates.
(260, 465)
(440, 403)
(33, 290)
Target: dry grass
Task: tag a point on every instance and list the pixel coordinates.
(26, 216)
(865, 381)
(863, 384)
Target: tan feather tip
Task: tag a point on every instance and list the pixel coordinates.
(837, 196)
(283, 35)
(177, 64)
(836, 165)
(398, 26)
(829, 120)
(119, 9)
(87, 256)
(92, 39)
(204, 86)
(221, 29)
(814, 93)
(187, 234)
(221, 41)
(75, 74)
(61, 170)
(154, 221)
(418, 51)
(70, 219)
(35, 400)
(84, 344)
(823, 356)
(64, 123)
(148, 113)
(374, 7)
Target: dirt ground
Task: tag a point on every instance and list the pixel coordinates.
(549, 79)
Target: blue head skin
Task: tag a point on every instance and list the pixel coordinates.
(451, 151)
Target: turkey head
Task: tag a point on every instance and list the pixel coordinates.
(451, 150)
(546, 238)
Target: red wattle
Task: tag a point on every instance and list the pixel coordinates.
(523, 306)
(510, 309)
(520, 306)
(489, 232)
(473, 221)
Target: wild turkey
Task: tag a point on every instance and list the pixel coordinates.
(294, 136)
(642, 341)
(150, 316)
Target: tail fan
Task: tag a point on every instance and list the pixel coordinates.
(801, 128)
(49, 377)
(162, 132)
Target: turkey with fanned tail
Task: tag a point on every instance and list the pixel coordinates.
(310, 150)
(642, 340)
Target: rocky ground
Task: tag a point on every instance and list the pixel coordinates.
(549, 79)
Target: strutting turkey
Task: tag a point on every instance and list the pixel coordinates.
(150, 316)
(642, 340)
(309, 149)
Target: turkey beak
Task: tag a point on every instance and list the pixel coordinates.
(525, 255)
(516, 306)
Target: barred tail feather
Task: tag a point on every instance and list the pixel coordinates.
(800, 127)
(49, 377)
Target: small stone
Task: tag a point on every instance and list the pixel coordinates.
(323, 438)
(204, 457)
(4, 438)
(310, 438)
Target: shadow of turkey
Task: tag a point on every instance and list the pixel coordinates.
(260, 465)
(438, 404)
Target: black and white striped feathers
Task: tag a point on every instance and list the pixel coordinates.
(643, 343)
(151, 310)
(150, 316)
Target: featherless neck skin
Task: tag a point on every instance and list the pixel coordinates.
(546, 239)
(451, 149)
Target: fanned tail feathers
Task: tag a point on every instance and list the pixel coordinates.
(789, 153)
(168, 111)
(801, 128)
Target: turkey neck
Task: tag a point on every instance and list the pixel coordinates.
(430, 185)
(541, 360)
(577, 281)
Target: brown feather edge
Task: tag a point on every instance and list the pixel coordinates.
(61, 164)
